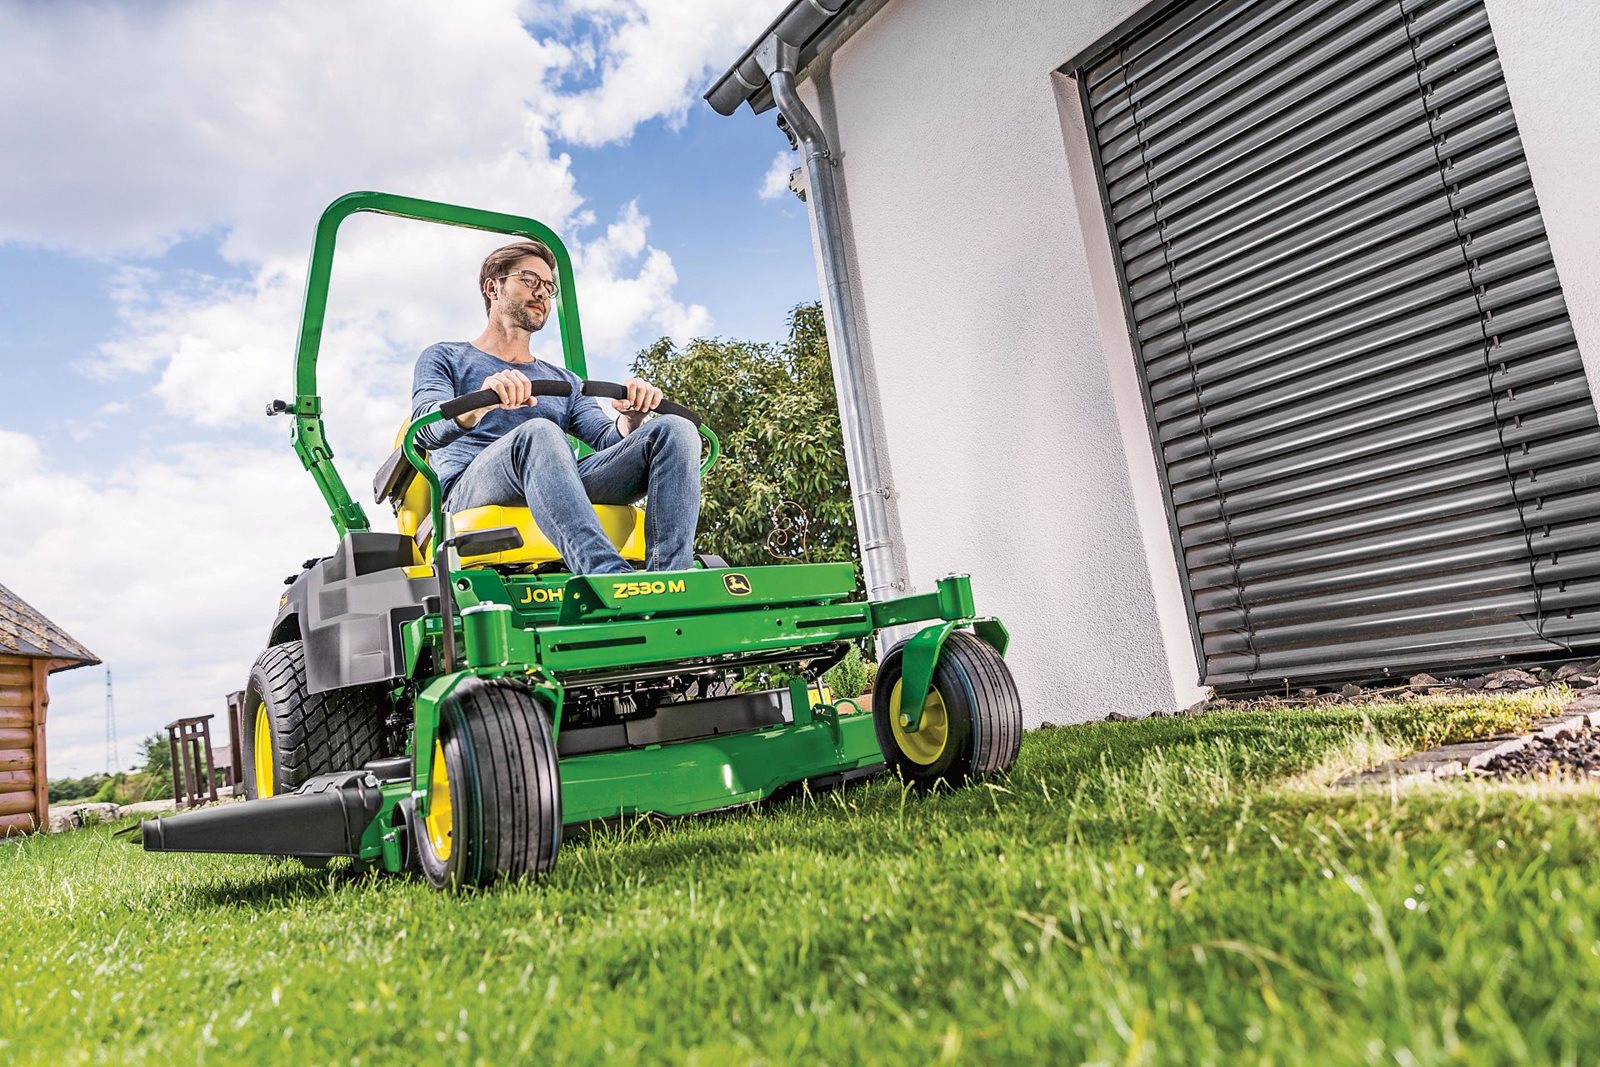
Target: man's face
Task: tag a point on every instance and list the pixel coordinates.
(521, 299)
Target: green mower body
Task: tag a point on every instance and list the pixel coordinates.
(424, 705)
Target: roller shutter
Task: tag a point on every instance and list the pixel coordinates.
(1363, 386)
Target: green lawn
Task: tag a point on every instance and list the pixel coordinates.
(1170, 891)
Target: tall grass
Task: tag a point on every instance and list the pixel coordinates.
(1171, 891)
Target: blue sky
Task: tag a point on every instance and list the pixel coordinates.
(152, 259)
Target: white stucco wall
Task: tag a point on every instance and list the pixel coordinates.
(1014, 424)
(984, 329)
(1550, 52)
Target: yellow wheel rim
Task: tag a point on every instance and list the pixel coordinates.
(927, 743)
(441, 817)
(262, 753)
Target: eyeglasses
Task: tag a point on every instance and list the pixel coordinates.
(535, 284)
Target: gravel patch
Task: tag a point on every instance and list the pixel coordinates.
(1572, 755)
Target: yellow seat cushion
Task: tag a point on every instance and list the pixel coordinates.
(623, 525)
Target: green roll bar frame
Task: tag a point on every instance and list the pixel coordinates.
(310, 438)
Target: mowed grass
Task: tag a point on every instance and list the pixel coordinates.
(1170, 891)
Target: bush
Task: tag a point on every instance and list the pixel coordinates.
(848, 677)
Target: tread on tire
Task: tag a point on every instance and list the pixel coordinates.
(982, 706)
(312, 734)
(505, 788)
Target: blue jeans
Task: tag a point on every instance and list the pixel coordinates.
(533, 465)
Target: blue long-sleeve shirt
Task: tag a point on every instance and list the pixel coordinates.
(454, 368)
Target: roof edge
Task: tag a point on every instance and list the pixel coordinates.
(815, 27)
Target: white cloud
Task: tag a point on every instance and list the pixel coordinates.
(237, 125)
(775, 183)
(166, 565)
(627, 299)
(654, 61)
(144, 125)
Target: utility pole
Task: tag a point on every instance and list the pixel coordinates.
(112, 762)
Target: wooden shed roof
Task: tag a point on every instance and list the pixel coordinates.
(25, 632)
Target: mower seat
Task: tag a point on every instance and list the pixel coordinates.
(411, 497)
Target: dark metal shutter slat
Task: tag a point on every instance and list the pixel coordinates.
(1486, 643)
(1317, 264)
(1410, 392)
(1281, 150)
(1389, 169)
(1388, 597)
(1342, 441)
(1299, 42)
(1322, 369)
(1172, 48)
(1464, 515)
(1415, 495)
(1354, 630)
(1528, 333)
(1432, 303)
(1314, 498)
(1234, 82)
(1283, 311)
(1559, 447)
(1393, 571)
(1369, 410)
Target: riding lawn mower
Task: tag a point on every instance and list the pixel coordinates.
(448, 698)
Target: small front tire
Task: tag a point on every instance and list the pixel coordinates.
(494, 792)
(971, 722)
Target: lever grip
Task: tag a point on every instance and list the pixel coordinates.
(613, 391)
(486, 397)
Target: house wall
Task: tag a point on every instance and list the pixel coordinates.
(24, 790)
(1014, 426)
(1547, 50)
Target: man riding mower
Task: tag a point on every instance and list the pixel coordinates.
(448, 697)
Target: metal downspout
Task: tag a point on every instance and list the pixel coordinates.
(879, 560)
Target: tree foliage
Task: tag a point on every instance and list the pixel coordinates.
(780, 492)
(156, 767)
(76, 788)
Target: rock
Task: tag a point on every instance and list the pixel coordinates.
(1511, 678)
(1350, 689)
(1425, 682)
(1474, 684)
(1543, 756)
(80, 815)
(1200, 707)
(1117, 716)
(1569, 670)
(1161, 713)
(1582, 681)
(1540, 674)
(1306, 692)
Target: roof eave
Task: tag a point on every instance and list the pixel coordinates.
(815, 27)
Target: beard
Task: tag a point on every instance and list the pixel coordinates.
(526, 318)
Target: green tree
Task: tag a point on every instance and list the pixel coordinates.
(62, 789)
(156, 768)
(780, 492)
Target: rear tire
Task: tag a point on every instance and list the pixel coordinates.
(290, 735)
(971, 724)
(495, 794)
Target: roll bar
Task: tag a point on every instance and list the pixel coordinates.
(309, 438)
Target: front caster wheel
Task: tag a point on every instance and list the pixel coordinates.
(495, 792)
(971, 722)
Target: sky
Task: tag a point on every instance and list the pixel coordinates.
(166, 164)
